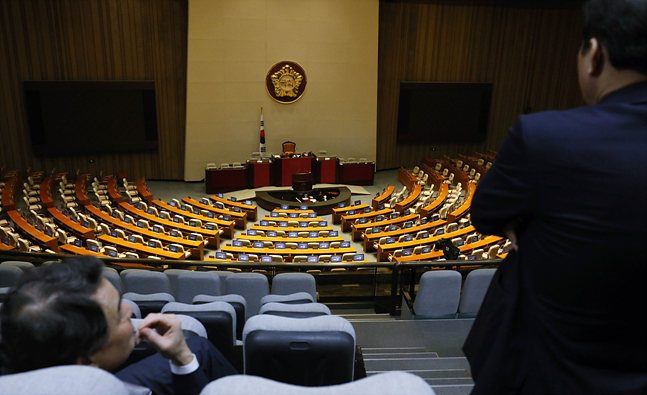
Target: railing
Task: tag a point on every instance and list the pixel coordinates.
(400, 278)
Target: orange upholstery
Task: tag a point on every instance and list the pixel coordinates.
(289, 147)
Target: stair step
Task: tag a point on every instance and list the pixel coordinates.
(391, 356)
(410, 364)
(463, 389)
(367, 317)
(450, 381)
(393, 350)
(437, 374)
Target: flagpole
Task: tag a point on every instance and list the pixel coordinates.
(262, 144)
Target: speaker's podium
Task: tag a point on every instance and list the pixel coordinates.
(302, 182)
(285, 167)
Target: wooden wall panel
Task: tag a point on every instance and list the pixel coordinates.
(529, 54)
(95, 40)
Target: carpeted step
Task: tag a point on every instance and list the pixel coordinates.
(411, 364)
(462, 389)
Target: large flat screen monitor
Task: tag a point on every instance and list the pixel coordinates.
(80, 117)
(439, 112)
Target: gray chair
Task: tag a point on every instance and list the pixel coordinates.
(22, 265)
(236, 301)
(191, 284)
(305, 310)
(9, 275)
(111, 275)
(313, 351)
(251, 286)
(172, 275)
(438, 294)
(150, 290)
(137, 314)
(219, 319)
(68, 379)
(289, 283)
(387, 383)
(295, 298)
(476, 285)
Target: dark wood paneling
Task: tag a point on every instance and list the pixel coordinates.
(95, 40)
(529, 54)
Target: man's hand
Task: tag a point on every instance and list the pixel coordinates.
(164, 332)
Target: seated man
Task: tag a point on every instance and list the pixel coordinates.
(67, 313)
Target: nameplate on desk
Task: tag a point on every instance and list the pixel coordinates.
(452, 228)
(265, 223)
(149, 211)
(376, 229)
(426, 250)
(95, 204)
(132, 239)
(258, 244)
(394, 215)
(49, 233)
(226, 218)
(175, 219)
(460, 243)
(243, 258)
(367, 210)
(313, 259)
(138, 206)
(172, 204)
(266, 259)
(283, 224)
(78, 243)
(379, 218)
(341, 205)
(193, 223)
(174, 233)
(406, 212)
(390, 240)
(233, 199)
(312, 215)
(271, 233)
(285, 207)
(293, 235)
(74, 218)
(408, 238)
(205, 201)
(279, 246)
(220, 195)
(313, 233)
(335, 258)
(303, 208)
(440, 232)
(351, 212)
(324, 245)
(274, 215)
(435, 217)
(358, 257)
(357, 202)
(140, 225)
(157, 229)
(303, 224)
(408, 225)
(237, 209)
(210, 214)
(94, 248)
(380, 207)
(406, 253)
(323, 224)
(345, 244)
(221, 255)
(251, 232)
(293, 215)
(363, 220)
(333, 233)
(249, 203)
(302, 246)
(193, 237)
(423, 221)
(220, 206)
(112, 253)
(237, 243)
(152, 244)
(471, 257)
(113, 233)
(425, 235)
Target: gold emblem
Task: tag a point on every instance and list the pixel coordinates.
(286, 82)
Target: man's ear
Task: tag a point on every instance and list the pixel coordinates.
(87, 361)
(597, 57)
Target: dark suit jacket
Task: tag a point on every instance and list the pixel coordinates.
(567, 312)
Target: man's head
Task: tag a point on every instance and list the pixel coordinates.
(65, 314)
(614, 46)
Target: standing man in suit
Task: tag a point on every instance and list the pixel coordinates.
(566, 312)
(68, 313)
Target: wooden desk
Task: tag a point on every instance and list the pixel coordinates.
(287, 239)
(73, 227)
(32, 233)
(347, 220)
(339, 211)
(122, 244)
(251, 210)
(292, 211)
(356, 173)
(239, 218)
(143, 190)
(259, 173)
(383, 197)
(46, 187)
(359, 229)
(212, 235)
(410, 200)
(293, 228)
(439, 254)
(289, 252)
(372, 238)
(459, 175)
(5, 247)
(113, 190)
(437, 202)
(383, 250)
(326, 170)
(465, 206)
(300, 219)
(195, 247)
(406, 178)
(434, 178)
(285, 167)
(224, 180)
(80, 188)
(74, 250)
(10, 193)
(227, 226)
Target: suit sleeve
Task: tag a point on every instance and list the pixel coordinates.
(504, 194)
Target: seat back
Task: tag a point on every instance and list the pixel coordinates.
(111, 275)
(172, 275)
(313, 351)
(438, 294)
(289, 147)
(9, 275)
(22, 265)
(251, 286)
(190, 284)
(146, 282)
(476, 285)
(236, 301)
(289, 283)
(304, 310)
(218, 318)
